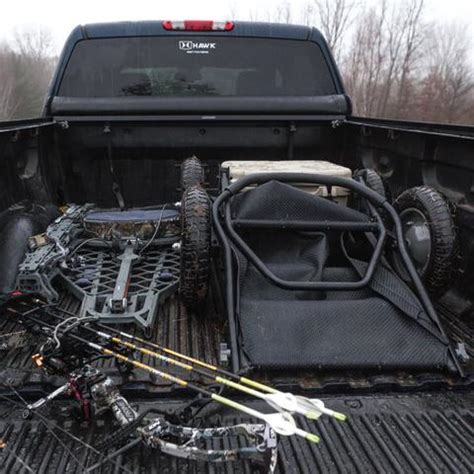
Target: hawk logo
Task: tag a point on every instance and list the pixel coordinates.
(186, 45)
(193, 47)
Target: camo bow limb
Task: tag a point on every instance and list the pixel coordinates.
(261, 437)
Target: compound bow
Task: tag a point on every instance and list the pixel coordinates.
(72, 344)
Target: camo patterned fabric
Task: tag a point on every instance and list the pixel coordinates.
(263, 448)
(140, 230)
(134, 223)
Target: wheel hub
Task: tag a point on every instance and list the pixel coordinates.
(417, 235)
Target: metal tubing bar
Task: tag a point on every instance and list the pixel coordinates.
(304, 285)
(305, 225)
(229, 285)
(425, 299)
(374, 198)
(259, 178)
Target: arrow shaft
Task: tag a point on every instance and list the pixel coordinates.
(214, 396)
(183, 383)
(177, 363)
(191, 360)
(243, 384)
(190, 368)
(252, 388)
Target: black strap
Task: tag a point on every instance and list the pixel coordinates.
(388, 285)
(115, 186)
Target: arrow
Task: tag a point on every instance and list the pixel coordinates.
(282, 423)
(311, 408)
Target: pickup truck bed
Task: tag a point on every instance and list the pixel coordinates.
(125, 138)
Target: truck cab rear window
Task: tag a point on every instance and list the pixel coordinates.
(196, 66)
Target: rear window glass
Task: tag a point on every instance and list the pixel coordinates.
(201, 66)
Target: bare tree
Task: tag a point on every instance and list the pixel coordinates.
(35, 43)
(334, 17)
(366, 60)
(8, 102)
(284, 12)
(233, 11)
(447, 90)
(382, 69)
(401, 33)
(32, 64)
(413, 39)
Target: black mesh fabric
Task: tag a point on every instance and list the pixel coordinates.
(371, 328)
(388, 284)
(358, 333)
(256, 288)
(280, 201)
(294, 256)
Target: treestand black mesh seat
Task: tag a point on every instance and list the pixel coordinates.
(382, 325)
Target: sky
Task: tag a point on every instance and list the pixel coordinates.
(61, 16)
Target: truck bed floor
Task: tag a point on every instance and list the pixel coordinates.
(390, 434)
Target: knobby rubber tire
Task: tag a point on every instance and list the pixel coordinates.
(372, 179)
(374, 182)
(192, 173)
(195, 246)
(444, 248)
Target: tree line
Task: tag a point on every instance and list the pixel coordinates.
(395, 63)
(26, 66)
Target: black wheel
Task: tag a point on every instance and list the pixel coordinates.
(195, 246)
(192, 173)
(372, 180)
(430, 237)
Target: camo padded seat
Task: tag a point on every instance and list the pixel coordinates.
(140, 223)
(131, 215)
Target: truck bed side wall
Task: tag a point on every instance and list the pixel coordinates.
(441, 156)
(71, 164)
